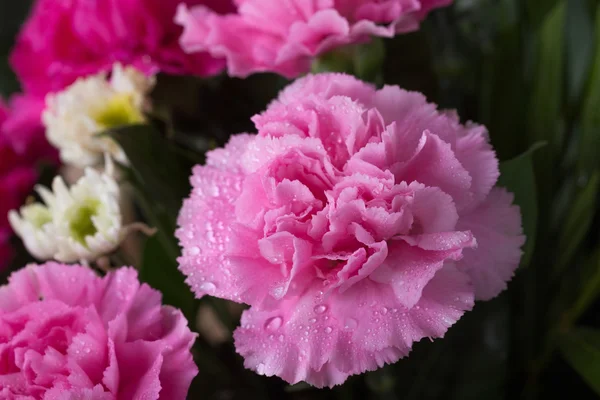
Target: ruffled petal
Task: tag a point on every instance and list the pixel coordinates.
(496, 224)
(324, 340)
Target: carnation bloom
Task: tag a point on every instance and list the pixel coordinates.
(76, 116)
(24, 130)
(83, 222)
(22, 147)
(67, 39)
(357, 222)
(66, 333)
(284, 36)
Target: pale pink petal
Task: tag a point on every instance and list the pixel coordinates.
(284, 37)
(496, 225)
(323, 341)
(477, 156)
(63, 336)
(352, 210)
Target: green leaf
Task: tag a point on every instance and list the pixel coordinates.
(588, 288)
(546, 100)
(368, 60)
(159, 175)
(580, 45)
(159, 270)
(590, 119)
(156, 164)
(502, 105)
(581, 348)
(577, 223)
(539, 9)
(517, 176)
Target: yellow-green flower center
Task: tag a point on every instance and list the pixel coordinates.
(120, 110)
(37, 215)
(81, 224)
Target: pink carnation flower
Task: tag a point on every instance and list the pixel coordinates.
(22, 147)
(23, 129)
(66, 39)
(66, 333)
(357, 222)
(284, 36)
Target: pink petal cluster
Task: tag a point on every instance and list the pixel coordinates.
(66, 39)
(283, 36)
(66, 333)
(22, 147)
(357, 222)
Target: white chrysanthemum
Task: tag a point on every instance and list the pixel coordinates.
(74, 117)
(78, 224)
(34, 225)
(87, 217)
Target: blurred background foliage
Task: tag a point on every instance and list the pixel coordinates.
(530, 71)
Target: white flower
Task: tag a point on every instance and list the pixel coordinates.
(78, 224)
(87, 217)
(74, 117)
(34, 226)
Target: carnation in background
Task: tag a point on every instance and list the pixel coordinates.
(67, 39)
(23, 151)
(285, 36)
(70, 334)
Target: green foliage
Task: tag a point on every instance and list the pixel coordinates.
(160, 179)
(581, 348)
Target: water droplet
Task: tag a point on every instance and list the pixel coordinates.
(281, 337)
(271, 337)
(194, 251)
(320, 309)
(208, 287)
(312, 321)
(260, 369)
(328, 330)
(350, 324)
(384, 310)
(273, 324)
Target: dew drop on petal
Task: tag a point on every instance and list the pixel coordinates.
(273, 324)
(260, 369)
(208, 287)
(320, 309)
(328, 330)
(350, 323)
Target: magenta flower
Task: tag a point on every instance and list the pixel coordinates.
(23, 129)
(66, 39)
(66, 333)
(357, 222)
(284, 36)
(23, 147)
